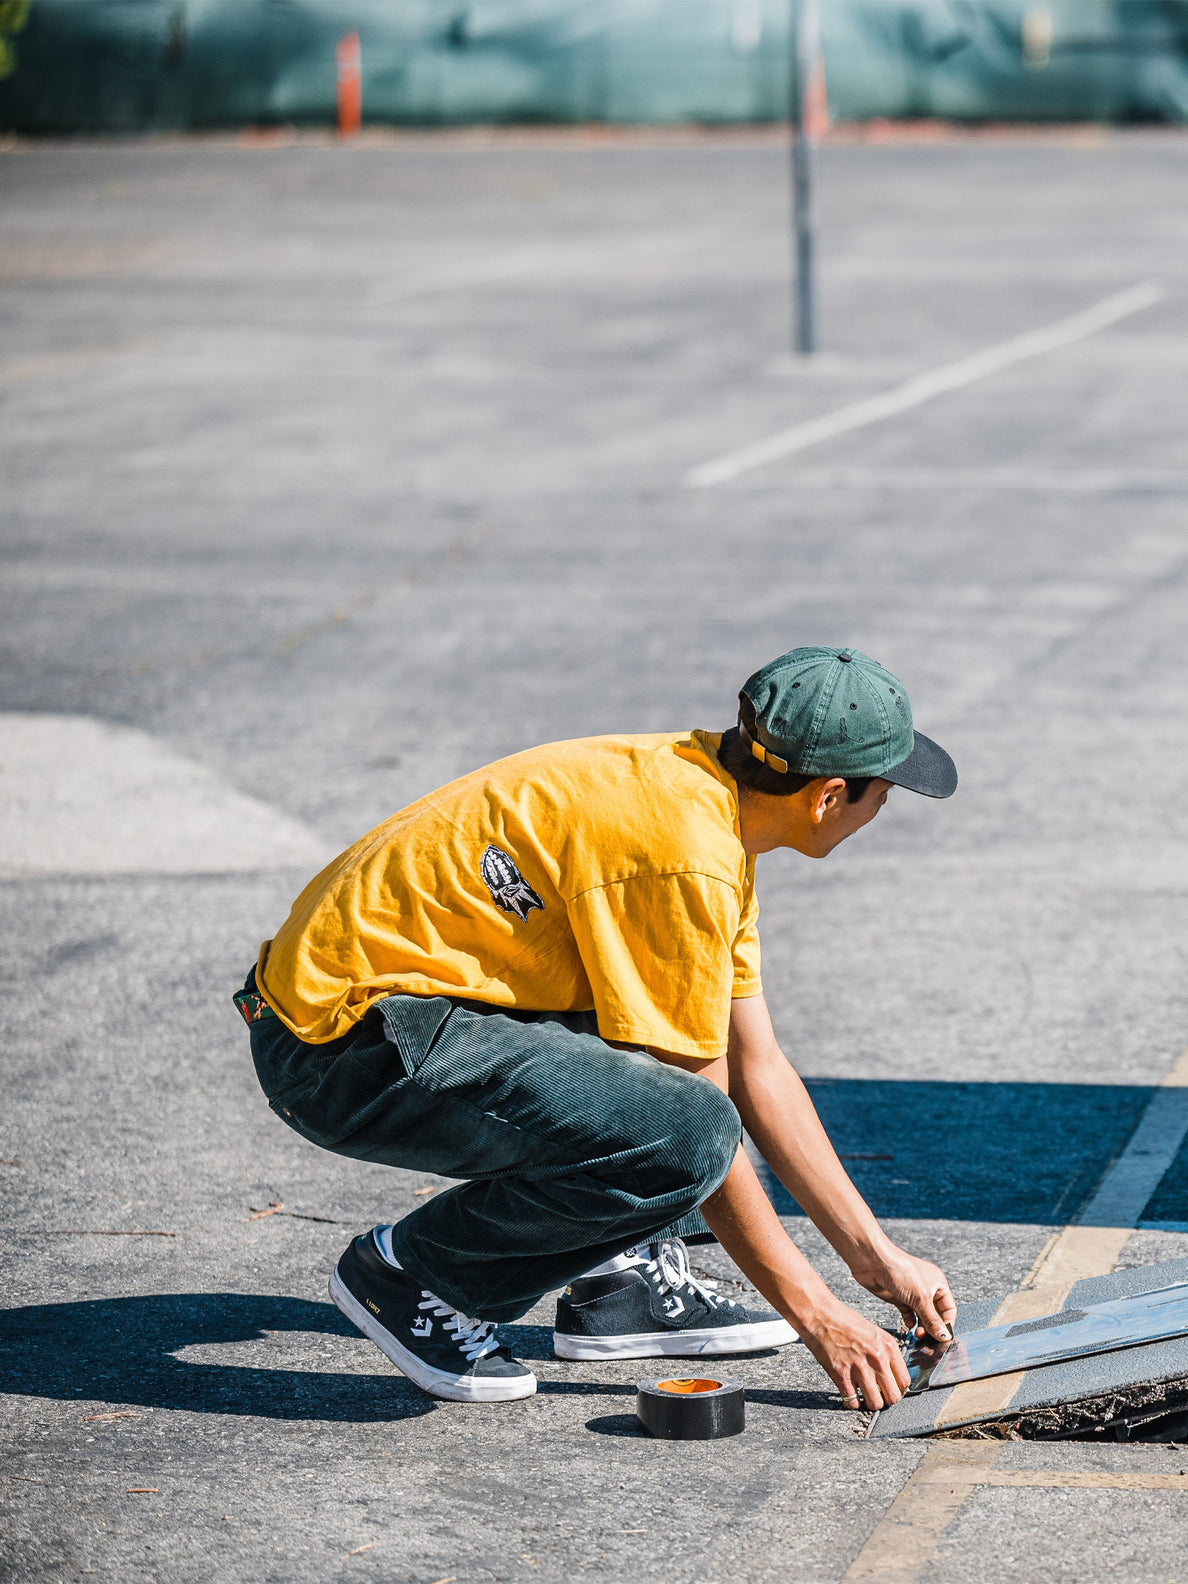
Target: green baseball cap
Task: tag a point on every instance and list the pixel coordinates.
(836, 712)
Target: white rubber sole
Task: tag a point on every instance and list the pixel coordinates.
(438, 1383)
(677, 1344)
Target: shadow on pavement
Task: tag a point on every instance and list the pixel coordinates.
(627, 1424)
(1010, 1152)
(617, 1425)
(121, 1350)
(528, 1342)
(1019, 1153)
(818, 1401)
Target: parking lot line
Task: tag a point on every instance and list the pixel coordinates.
(905, 1538)
(1085, 1479)
(1034, 480)
(947, 1475)
(910, 1530)
(926, 387)
(1092, 1245)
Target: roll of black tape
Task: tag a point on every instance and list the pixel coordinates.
(691, 1410)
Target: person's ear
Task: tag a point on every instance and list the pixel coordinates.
(826, 797)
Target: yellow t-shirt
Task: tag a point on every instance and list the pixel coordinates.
(604, 874)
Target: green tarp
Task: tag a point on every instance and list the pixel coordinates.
(117, 65)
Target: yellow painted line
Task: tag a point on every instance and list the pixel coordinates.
(904, 1540)
(910, 1530)
(1070, 1257)
(1081, 1251)
(1081, 1480)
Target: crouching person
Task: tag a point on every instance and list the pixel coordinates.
(543, 980)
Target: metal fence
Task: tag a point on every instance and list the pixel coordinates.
(108, 65)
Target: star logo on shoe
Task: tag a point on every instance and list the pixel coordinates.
(446, 1353)
(673, 1306)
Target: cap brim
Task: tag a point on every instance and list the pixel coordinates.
(927, 769)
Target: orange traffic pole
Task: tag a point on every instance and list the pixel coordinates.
(350, 85)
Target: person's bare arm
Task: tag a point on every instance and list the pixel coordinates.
(781, 1119)
(862, 1359)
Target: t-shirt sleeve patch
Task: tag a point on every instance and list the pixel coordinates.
(509, 890)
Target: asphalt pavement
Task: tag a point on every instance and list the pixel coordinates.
(328, 473)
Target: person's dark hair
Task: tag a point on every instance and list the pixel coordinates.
(736, 758)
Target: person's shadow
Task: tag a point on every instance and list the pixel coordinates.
(126, 1350)
(123, 1350)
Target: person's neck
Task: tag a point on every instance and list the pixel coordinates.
(764, 822)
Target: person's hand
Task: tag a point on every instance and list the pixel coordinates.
(863, 1362)
(918, 1290)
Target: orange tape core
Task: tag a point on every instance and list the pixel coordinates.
(688, 1385)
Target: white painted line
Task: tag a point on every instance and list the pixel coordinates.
(926, 387)
(1135, 1175)
(1091, 1245)
(910, 1532)
(1057, 481)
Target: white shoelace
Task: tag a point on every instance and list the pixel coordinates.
(473, 1337)
(670, 1269)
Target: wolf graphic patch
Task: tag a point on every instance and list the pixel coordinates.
(509, 890)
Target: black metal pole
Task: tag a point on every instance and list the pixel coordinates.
(805, 42)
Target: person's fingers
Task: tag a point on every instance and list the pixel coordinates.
(888, 1363)
(847, 1387)
(864, 1363)
(900, 1371)
(866, 1381)
(928, 1317)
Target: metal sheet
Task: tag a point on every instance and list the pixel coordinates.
(1072, 1333)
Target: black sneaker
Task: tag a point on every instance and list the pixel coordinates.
(447, 1354)
(655, 1308)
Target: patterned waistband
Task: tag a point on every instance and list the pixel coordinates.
(252, 1006)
